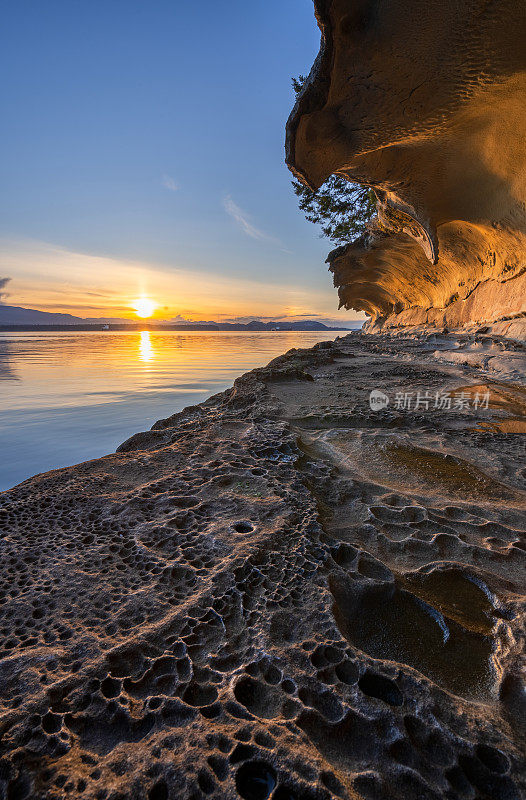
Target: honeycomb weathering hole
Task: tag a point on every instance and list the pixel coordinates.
(255, 780)
(381, 687)
(243, 527)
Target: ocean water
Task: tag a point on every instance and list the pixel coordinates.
(68, 397)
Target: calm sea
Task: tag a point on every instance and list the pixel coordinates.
(69, 397)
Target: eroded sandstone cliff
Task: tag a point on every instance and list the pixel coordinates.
(424, 103)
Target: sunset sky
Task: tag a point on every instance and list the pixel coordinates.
(142, 156)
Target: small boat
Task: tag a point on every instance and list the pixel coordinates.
(105, 327)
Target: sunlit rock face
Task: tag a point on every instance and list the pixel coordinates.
(424, 102)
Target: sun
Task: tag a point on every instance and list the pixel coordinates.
(144, 307)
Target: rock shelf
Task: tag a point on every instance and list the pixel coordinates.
(280, 593)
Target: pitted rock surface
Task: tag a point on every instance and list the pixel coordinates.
(280, 593)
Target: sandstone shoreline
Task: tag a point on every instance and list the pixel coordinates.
(279, 593)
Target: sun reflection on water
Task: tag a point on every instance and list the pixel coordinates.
(146, 351)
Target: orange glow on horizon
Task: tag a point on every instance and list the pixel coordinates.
(102, 286)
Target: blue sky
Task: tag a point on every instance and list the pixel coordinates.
(148, 137)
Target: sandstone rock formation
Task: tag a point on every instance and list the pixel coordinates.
(425, 103)
(278, 593)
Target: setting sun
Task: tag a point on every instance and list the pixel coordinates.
(144, 307)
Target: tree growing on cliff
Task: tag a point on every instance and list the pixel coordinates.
(343, 209)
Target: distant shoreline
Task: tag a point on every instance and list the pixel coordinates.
(148, 326)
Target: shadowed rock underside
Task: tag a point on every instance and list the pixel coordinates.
(424, 103)
(278, 593)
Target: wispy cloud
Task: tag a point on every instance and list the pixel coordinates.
(169, 183)
(244, 220)
(3, 284)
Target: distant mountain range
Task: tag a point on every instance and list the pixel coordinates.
(15, 316)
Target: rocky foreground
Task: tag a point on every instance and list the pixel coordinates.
(281, 592)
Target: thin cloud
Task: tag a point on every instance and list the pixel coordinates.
(307, 315)
(242, 219)
(285, 317)
(3, 284)
(169, 183)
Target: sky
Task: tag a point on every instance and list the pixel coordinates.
(142, 155)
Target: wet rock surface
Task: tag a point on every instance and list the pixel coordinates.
(280, 593)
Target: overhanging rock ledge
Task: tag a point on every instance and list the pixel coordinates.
(424, 103)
